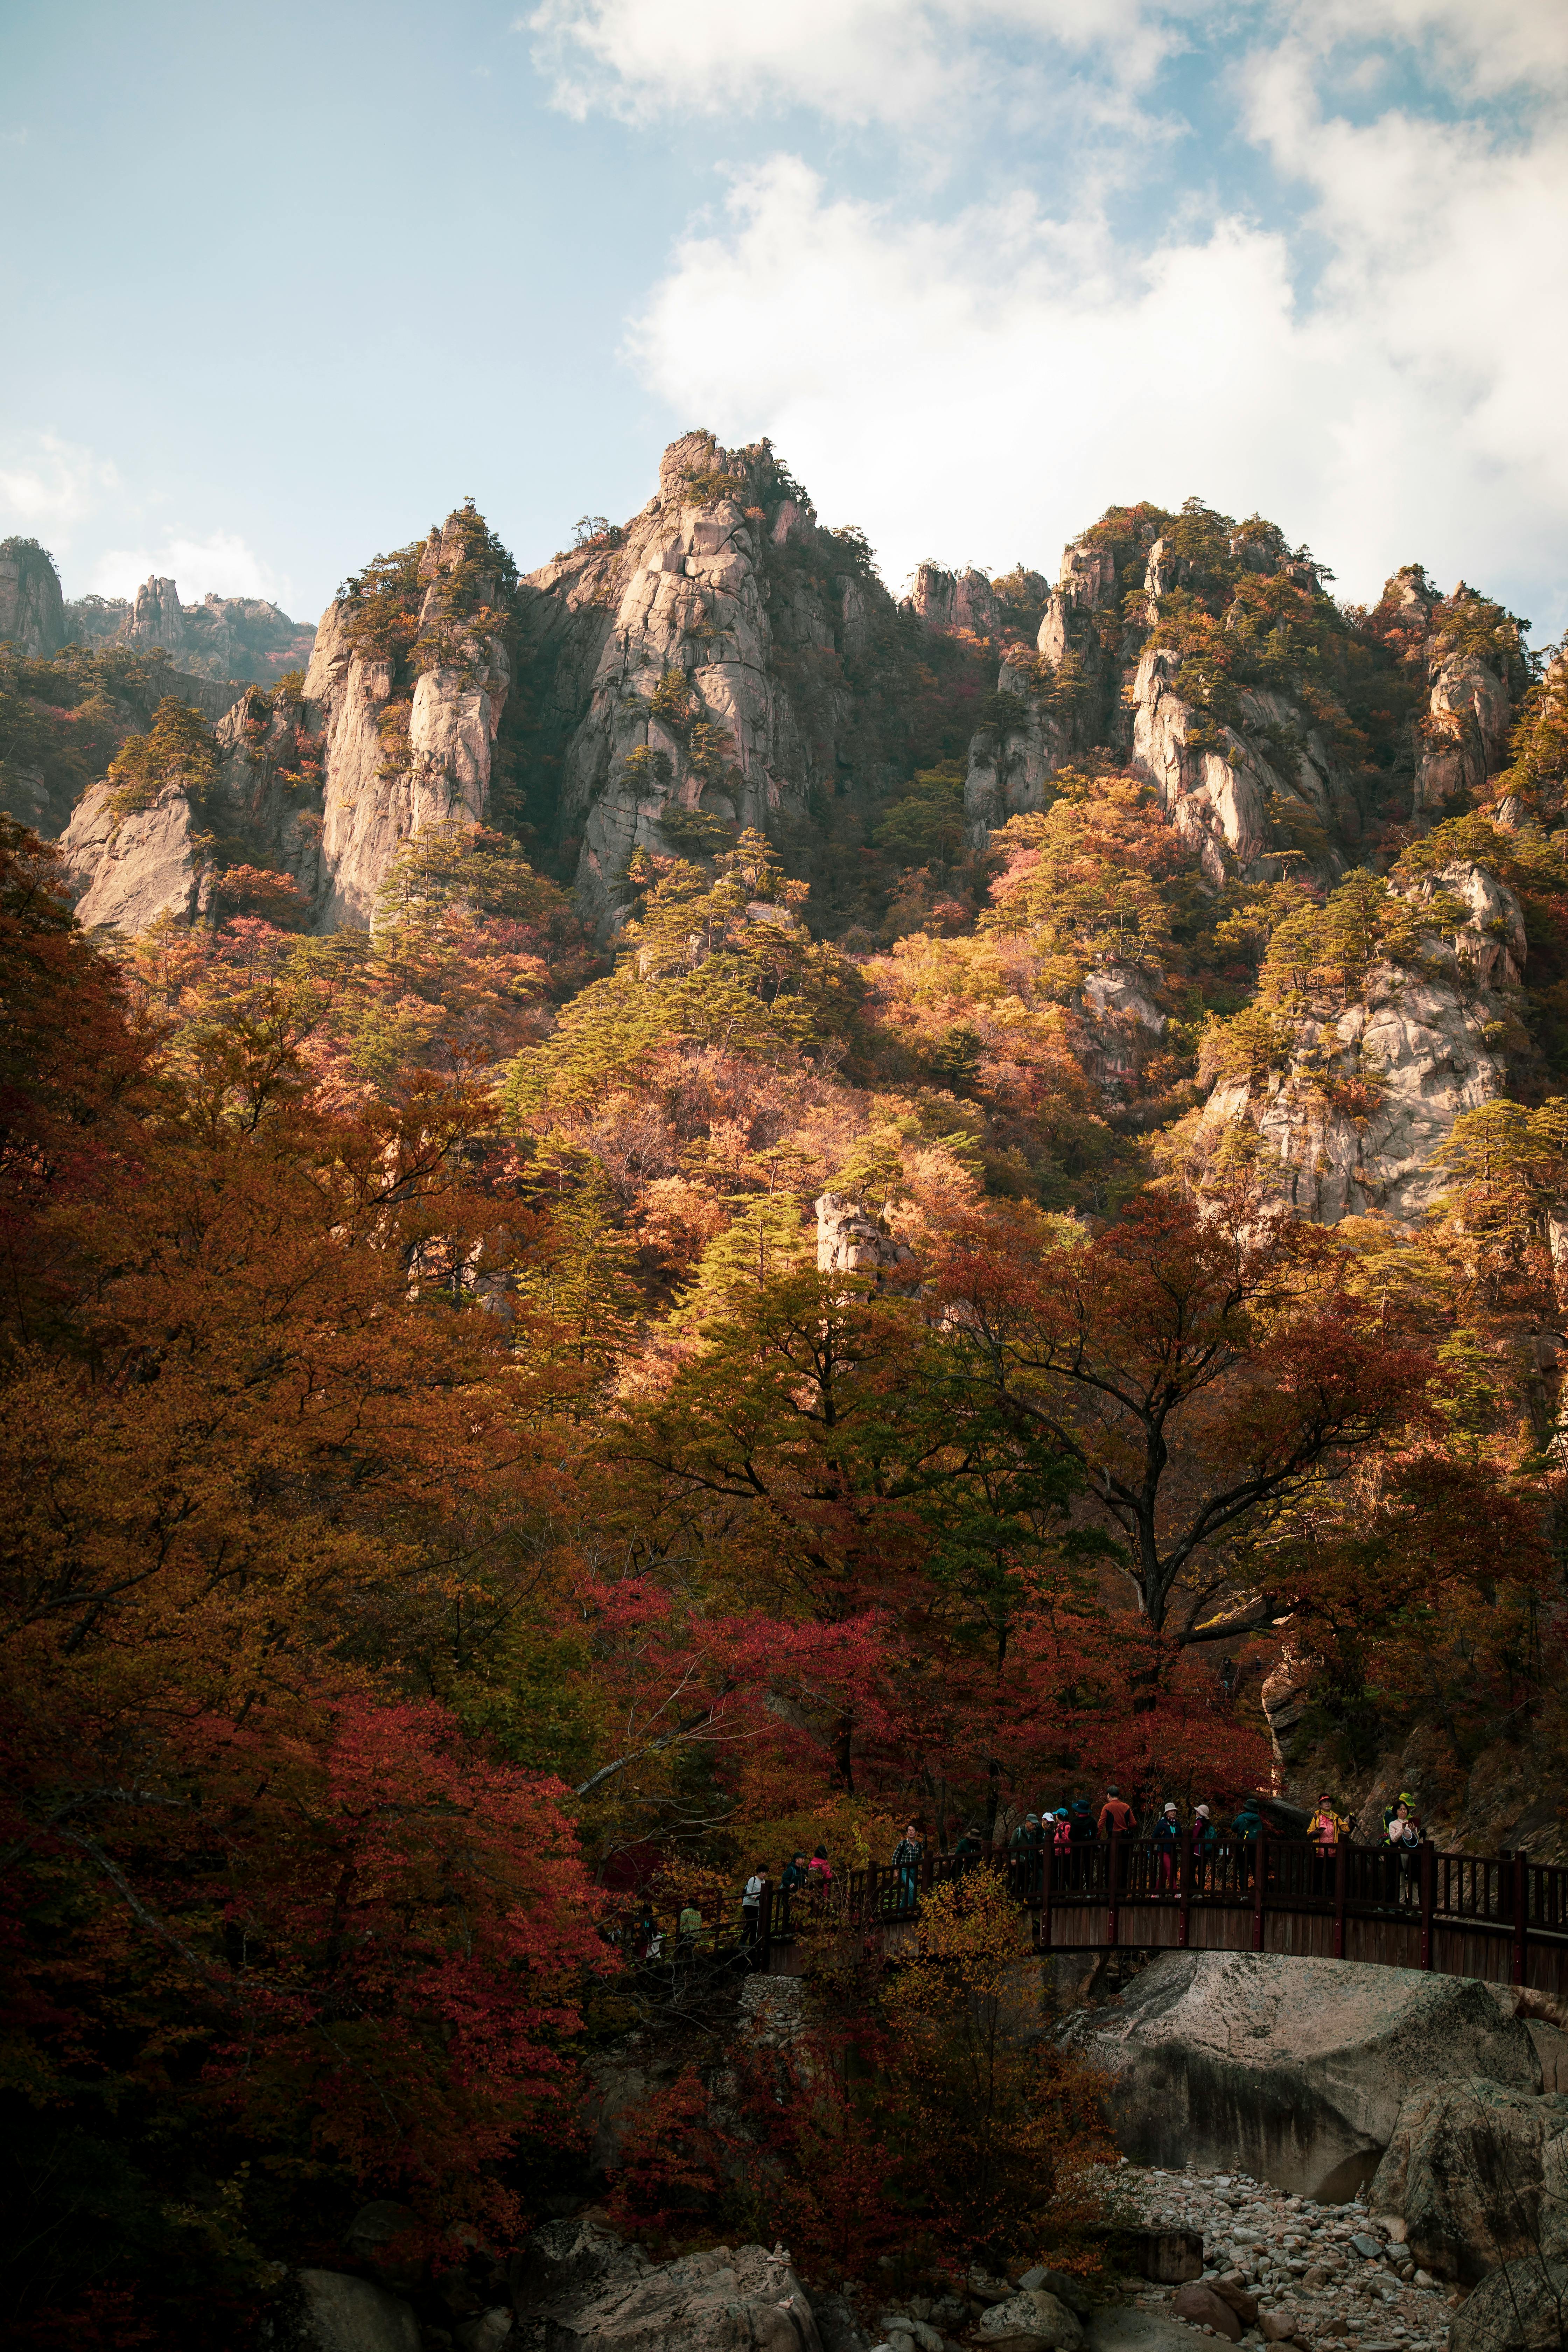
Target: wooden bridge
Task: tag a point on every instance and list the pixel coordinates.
(1499, 1916)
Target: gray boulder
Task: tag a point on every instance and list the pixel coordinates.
(349, 2315)
(1032, 2318)
(1476, 2172)
(1522, 2307)
(704, 2302)
(1293, 2070)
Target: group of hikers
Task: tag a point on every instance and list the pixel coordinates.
(1067, 1831)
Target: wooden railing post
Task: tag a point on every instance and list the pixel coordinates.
(763, 1961)
(1428, 1899)
(1262, 1864)
(1520, 1912)
(1185, 1891)
(1112, 1889)
(1048, 1875)
(1341, 1872)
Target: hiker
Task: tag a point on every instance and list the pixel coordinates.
(907, 1863)
(1080, 1823)
(1405, 1839)
(1245, 1832)
(819, 1877)
(1405, 1798)
(969, 1851)
(1204, 1843)
(688, 1927)
(793, 1879)
(1025, 1848)
(1117, 1818)
(1325, 1830)
(1167, 1840)
(752, 1908)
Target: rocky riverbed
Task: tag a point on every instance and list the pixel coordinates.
(1317, 2274)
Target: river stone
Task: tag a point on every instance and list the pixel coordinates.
(1291, 2069)
(1521, 2307)
(349, 2315)
(1139, 2331)
(1202, 2307)
(1476, 2171)
(1034, 2317)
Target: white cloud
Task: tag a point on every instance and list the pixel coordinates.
(855, 61)
(222, 563)
(47, 485)
(982, 387)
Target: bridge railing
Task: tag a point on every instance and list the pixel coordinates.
(1498, 1894)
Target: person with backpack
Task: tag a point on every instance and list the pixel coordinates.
(907, 1863)
(819, 1877)
(792, 1882)
(1325, 1829)
(1245, 1832)
(969, 1852)
(1025, 1848)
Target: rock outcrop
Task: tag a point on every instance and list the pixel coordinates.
(32, 612)
(1476, 677)
(244, 639)
(1295, 2070)
(850, 1241)
(955, 601)
(325, 786)
(1370, 1091)
(1479, 2174)
(128, 871)
(343, 2314)
(1520, 2307)
(592, 2292)
(693, 666)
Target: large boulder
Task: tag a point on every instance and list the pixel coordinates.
(1293, 2070)
(705, 2303)
(1522, 2307)
(349, 2314)
(1476, 2173)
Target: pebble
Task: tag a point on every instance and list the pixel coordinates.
(1325, 2263)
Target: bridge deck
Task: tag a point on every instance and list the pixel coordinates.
(1498, 1916)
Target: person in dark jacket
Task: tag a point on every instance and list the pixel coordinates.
(1168, 1844)
(970, 1849)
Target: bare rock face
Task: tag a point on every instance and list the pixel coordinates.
(1294, 2070)
(1477, 2174)
(1405, 1061)
(1474, 688)
(131, 870)
(32, 612)
(323, 787)
(955, 601)
(239, 638)
(691, 665)
(1012, 762)
(591, 2292)
(1520, 2307)
(383, 783)
(342, 2314)
(850, 1241)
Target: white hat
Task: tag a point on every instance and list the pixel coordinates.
(1170, 1804)
(1204, 1810)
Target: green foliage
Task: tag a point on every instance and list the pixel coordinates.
(924, 826)
(178, 748)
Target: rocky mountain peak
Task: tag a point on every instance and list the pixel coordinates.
(32, 611)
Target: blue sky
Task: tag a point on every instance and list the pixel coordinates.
(281, 287)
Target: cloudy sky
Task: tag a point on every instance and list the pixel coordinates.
(281, 286)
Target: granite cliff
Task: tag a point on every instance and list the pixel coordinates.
(722, 662)
(237, 638)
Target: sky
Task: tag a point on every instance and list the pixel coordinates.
(281, 287)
